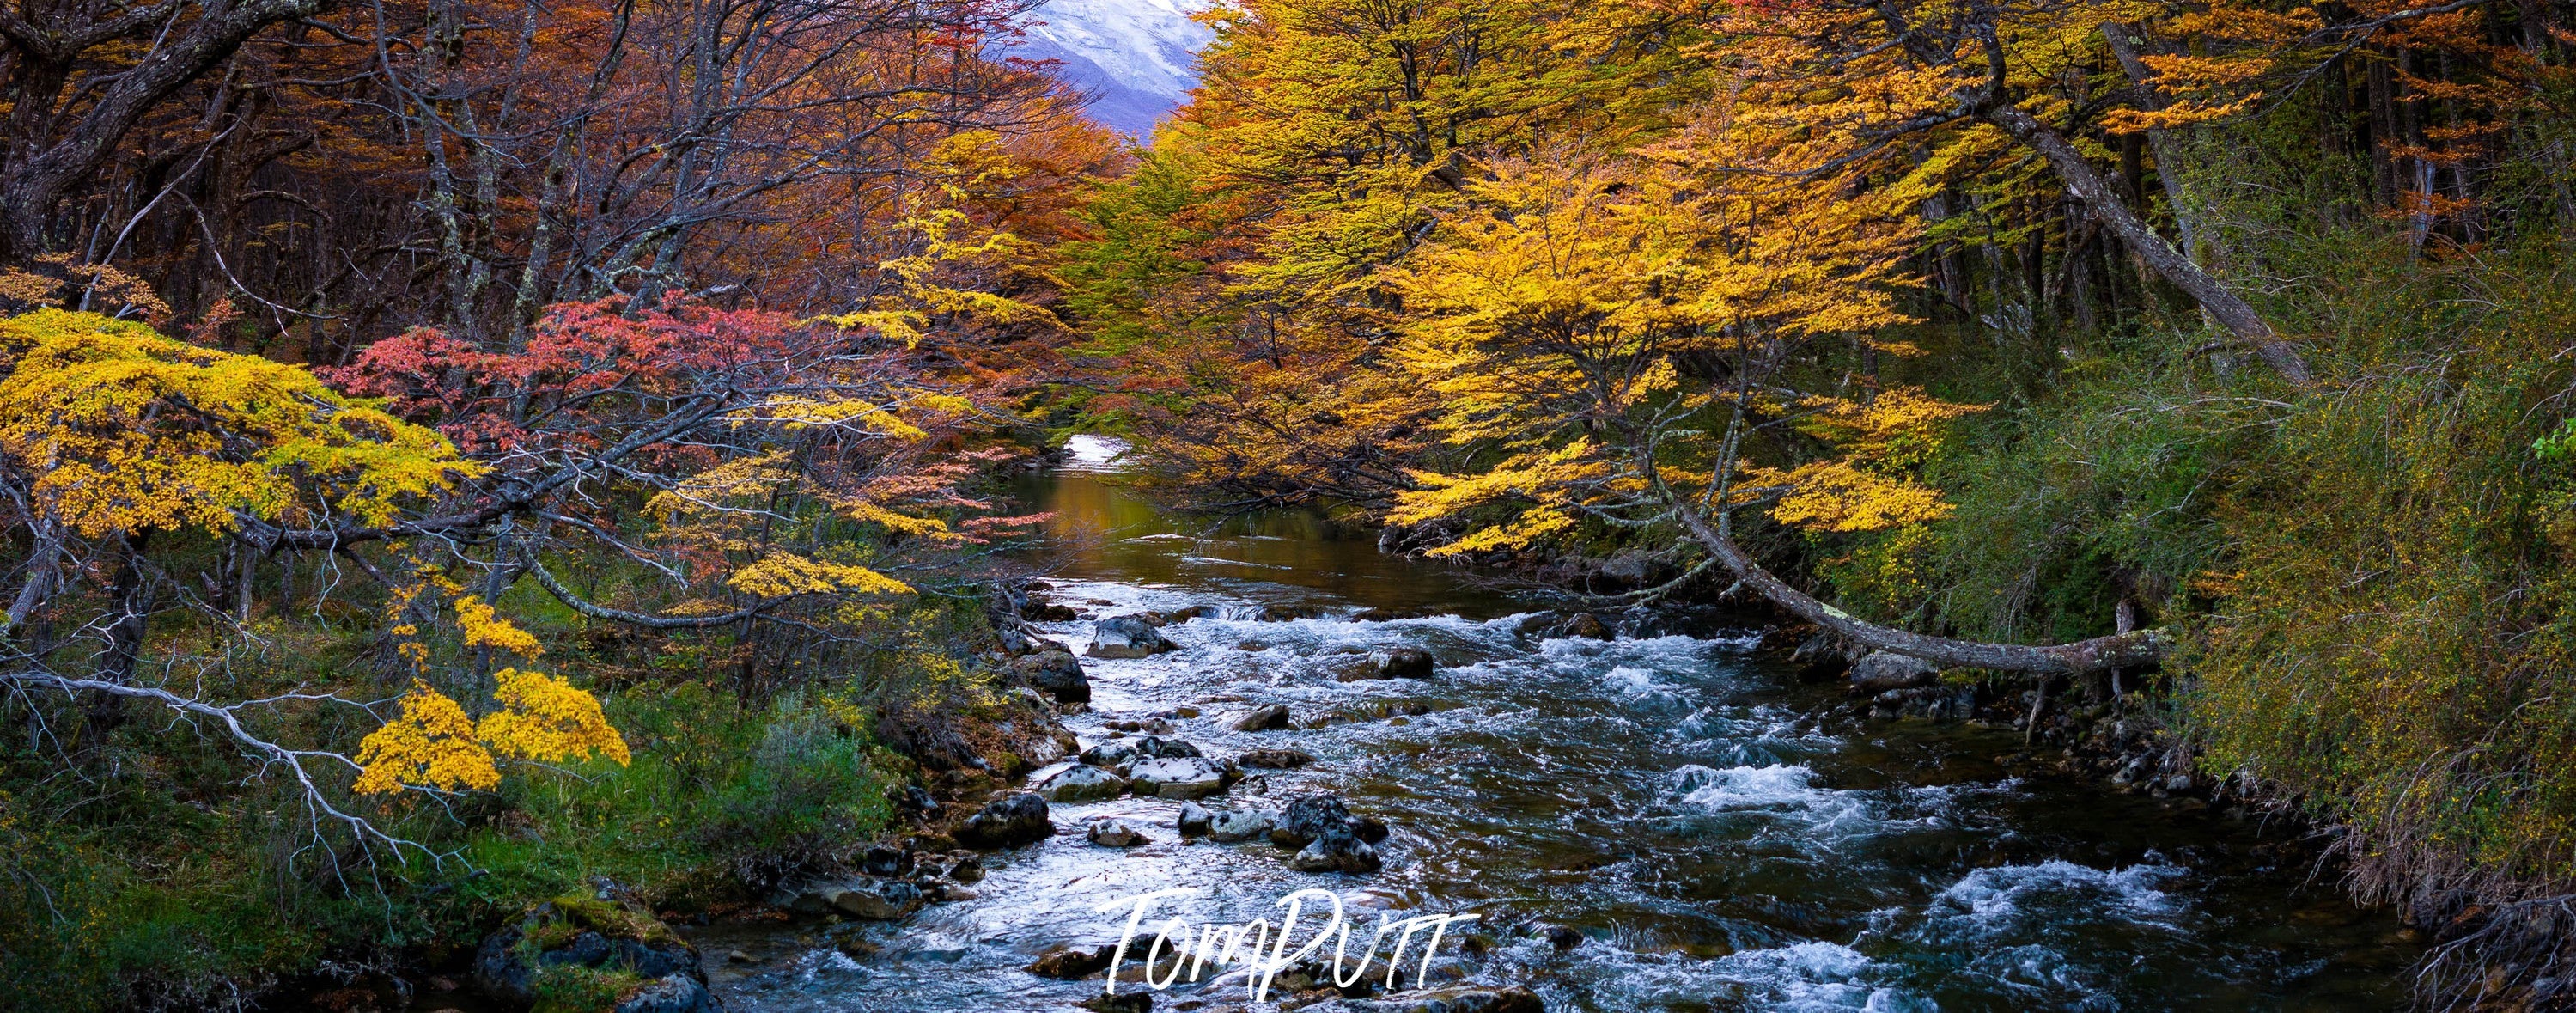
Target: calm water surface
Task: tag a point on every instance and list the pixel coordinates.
(1720, 843)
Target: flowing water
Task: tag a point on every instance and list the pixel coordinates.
(1719, 839)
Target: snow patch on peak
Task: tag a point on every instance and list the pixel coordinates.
(1137, 56)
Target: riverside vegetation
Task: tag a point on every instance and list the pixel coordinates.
(499, 472)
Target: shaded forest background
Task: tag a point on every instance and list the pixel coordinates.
(2211, 356)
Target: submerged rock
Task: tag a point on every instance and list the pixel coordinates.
(1123, 1002)
(1515, 999)
(1586, 626)
(1067, 964)
(1019, 819)
(1276, 759)
(1127, 636)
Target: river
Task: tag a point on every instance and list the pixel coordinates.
(1718, 837)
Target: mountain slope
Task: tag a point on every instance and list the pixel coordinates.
(1136, 56)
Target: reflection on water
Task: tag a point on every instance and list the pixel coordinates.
(1104, 532)
(1716, 841)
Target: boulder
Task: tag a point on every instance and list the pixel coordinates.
(1357, 670)
(1115, 756)
(1260, 719)
(1880, 671)
(1067, 964)
(1082, 783)
(1563, 937)
(1233, 825)
(1194, 820)
(1276, 759)
(1154, 747)
(962, 866)
(917, 801)
(1181, 777)
(1337, 849)
(1057, 673)
(1114, 834)
(578, 931)
(1308, 817)
(1019, 819)
(875, 899)
(1120, 1002)
(1586, 626)
(880, 860)
(1406, 663)
(675, 993)
(1127, 636)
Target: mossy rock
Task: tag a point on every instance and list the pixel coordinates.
(576, 953)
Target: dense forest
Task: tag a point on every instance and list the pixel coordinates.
(461, 453)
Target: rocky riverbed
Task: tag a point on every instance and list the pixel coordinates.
(1647, 811)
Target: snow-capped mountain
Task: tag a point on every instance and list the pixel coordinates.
(1136, 56)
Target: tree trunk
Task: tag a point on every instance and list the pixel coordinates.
(36, 185)
(2141, 647)
(132, 594)
(2098, 195)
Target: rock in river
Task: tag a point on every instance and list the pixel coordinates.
(875, 899)
(1406, 663)
(1260, 719)
(1515, 999)
(1155, 747)
(1058, 673)
(1184, 777)
(1336, 850)
(1115, 834)
(1233, 825)
(1082, 783)
(1113, 756)
(1276, 759)
(1066, 963)
(1019, 819)
(1128, 636)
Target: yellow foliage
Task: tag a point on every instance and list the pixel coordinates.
(483, 628)
(1835, 496)
(131, 431)
(785, 573)
(546, 718)
(433, 743)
